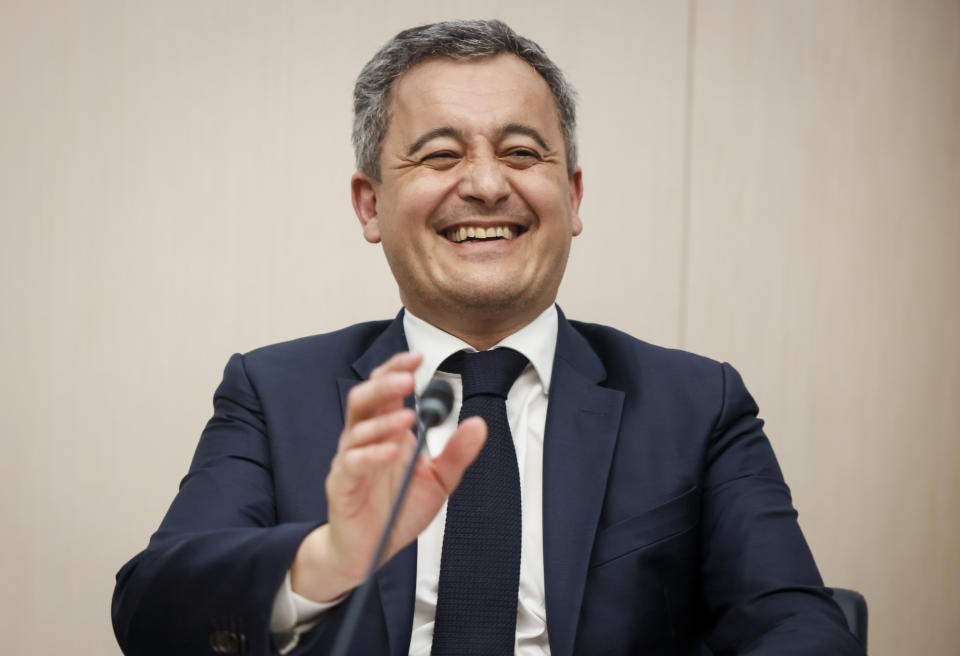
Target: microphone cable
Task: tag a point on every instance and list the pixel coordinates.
(435, 405)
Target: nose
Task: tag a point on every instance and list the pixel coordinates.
(484, 180)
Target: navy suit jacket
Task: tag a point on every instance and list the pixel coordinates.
(667, 527)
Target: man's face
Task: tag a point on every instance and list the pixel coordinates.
(473, 148)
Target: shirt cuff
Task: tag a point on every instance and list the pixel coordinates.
(293, 615)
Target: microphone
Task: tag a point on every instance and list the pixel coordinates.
(435, 405)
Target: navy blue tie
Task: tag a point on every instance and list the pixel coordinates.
(480, 563)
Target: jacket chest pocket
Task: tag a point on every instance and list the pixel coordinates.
(676, 516)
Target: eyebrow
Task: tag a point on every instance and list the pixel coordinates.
(516, 128)
(432, 134)
(512, 128)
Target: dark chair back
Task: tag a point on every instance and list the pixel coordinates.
(854, 607)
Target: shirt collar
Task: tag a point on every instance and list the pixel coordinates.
(537, 341)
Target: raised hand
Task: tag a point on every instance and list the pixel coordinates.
(374, 448)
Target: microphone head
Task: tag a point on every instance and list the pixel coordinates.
(435, 403)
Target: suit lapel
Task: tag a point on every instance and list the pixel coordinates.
(583, 420)
(396, 580)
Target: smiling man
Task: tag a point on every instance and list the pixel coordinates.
(599, 495)
(473, 146)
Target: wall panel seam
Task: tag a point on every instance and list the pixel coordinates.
(685, 188)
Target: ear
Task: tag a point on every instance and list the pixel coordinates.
(364, 196)
(576, 195)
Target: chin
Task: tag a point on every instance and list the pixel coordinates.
(473, 292)
(498, 302)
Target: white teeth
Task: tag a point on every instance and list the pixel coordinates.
(458, 235)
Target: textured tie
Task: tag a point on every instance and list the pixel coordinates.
(480, 563)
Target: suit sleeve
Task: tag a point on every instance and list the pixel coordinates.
(763, 592)
(208, 578)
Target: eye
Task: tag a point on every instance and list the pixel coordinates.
(440, 159)
(522, 158)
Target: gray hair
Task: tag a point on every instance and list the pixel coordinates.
(460, 41)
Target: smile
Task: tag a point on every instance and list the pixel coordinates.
(480, 233)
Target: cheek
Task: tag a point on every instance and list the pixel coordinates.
(546, 195)
(420, 198)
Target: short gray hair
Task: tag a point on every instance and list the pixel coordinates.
(460, 41)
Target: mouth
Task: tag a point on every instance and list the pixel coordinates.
(472, 233)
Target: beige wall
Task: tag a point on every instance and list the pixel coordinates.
(774, 183)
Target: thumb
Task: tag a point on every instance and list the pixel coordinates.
(462, 449)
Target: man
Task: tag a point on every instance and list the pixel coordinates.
(653, 518)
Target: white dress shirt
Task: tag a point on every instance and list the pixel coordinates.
(527, 415)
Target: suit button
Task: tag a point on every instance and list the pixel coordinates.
(228, 642)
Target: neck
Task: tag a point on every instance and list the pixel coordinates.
(481, 330)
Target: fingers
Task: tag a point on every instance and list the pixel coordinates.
(377, 421)
(391, 426)
(386, 389)
(353, 470)
(368, 445)
(404, 361)
(462, 449)
(378, 395)
(360, 461)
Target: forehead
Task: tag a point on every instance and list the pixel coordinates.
(479, 95)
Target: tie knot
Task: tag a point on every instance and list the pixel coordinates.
(486, 372)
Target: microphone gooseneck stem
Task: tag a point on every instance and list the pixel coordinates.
(359, 597)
